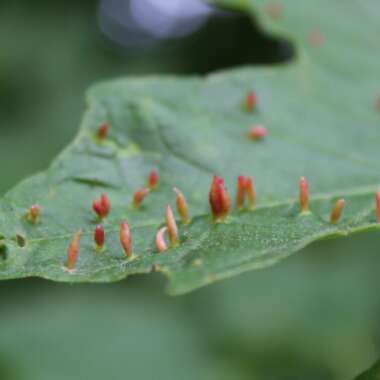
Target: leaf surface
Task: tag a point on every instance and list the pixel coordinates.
(322, 121)
(371, 374)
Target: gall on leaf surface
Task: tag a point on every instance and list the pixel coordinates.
(323, 124)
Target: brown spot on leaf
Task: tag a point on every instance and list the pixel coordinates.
(316, 38)
(20, 240)
(274, 10)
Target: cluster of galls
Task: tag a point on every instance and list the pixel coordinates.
(219, 199)
(220, 205)
(102, 207)
(257, 132)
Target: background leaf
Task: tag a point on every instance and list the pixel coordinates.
(320, 114)
(372, 374)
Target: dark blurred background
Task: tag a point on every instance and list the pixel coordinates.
(315, 316)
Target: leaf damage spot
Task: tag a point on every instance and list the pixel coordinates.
(316, 38)
(3, 251)
(274, 10)
(197, 263)
(20, 240)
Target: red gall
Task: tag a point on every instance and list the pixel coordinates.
(73, 252)
(172, 226)
(250, 191)
(102, 207)
(258, 132)
(139, 196)
(126, 239)
(240, 194)
(219, 199)
(99, 236)
(103, 130)
(304, 195)
(34, 213)
(245, 190)
(251, 101)
(153, 179)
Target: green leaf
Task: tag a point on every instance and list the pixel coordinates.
(322, 121)
(372, 374)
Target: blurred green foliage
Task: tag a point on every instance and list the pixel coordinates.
(315, 316)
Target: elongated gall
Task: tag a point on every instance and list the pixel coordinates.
(251, 101)
(304, 195)
(172, 226)
(126, 238)
(258, 132)
(245, 190)
(337, 211)
(102, 206)
(103, 130)
(219, 199)
(160, 240)
(153, 179)
(105, 203)
(99, 236)
(182, 207)
(378, 206)
(73, 251)
(240, 194)
(34, 213)
(250, 191)
(139, 196)
(97, 207)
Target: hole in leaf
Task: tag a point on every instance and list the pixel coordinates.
(20, 240)
(3, 251)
